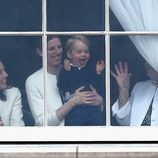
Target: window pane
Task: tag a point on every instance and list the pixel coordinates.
(78, 15)
(122, 49)
(114, 23)
(82, 73)
(20, 15)
(19, 57)
(134, 15)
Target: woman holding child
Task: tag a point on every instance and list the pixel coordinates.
(77, 72)
(57, 110)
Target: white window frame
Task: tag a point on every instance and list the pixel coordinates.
(78, 134)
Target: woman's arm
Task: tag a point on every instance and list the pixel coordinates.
(16, 118)
(122, 107)
(122, 77)
(80, 97)
(36, 101)
(123, 114)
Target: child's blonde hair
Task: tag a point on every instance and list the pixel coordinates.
(70, 42)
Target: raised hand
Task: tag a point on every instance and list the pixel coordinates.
(67, 65)
(122, 75)
(100, 66)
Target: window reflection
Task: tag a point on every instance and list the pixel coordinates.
(78, 15)
(56, 48)
(18, 55)
(20, 15)
(122, 49)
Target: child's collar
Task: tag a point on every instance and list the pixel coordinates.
(77, 66)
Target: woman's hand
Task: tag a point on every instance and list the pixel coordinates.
(80, 97)
(87, 97)
(122, 76)
(94, 98)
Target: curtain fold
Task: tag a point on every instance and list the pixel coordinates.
(140, 15)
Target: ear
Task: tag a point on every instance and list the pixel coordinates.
(39, 52)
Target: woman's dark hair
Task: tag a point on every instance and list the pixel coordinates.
(39, 40)
(2, 95)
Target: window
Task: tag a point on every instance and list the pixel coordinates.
(25, 23)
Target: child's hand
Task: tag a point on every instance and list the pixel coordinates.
(67, 65)
(100, 66)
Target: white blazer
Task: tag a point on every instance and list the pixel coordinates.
(136, 108)
(35, 95)
(11, 109)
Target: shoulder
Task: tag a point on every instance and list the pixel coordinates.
(143, 83)
(35, 77)
(142, 86)
(13, 91)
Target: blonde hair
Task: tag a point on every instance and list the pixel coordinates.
(70, 42)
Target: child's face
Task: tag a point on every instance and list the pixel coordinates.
(79, 55)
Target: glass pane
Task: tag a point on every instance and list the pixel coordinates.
(19, 57)
(114, 23)
(78, 15)
(20, 15)
(134, 15)
(79, 70)
(122, 49)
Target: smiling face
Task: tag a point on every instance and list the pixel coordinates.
(54, 52)
(3, 77)
(79, 54)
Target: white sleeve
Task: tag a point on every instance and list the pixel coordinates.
(16, 118)
(36, 103)
(54, 102)
(53, 119)
(123, 114)
(35, 100)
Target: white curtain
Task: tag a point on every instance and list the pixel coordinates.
(140, 15)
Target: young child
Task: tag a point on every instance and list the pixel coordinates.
(77, 73)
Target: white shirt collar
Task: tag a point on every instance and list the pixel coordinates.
(77, 66)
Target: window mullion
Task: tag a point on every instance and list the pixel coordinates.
(107, 61)
(44, 50)
(107, 23)
(107, 76)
